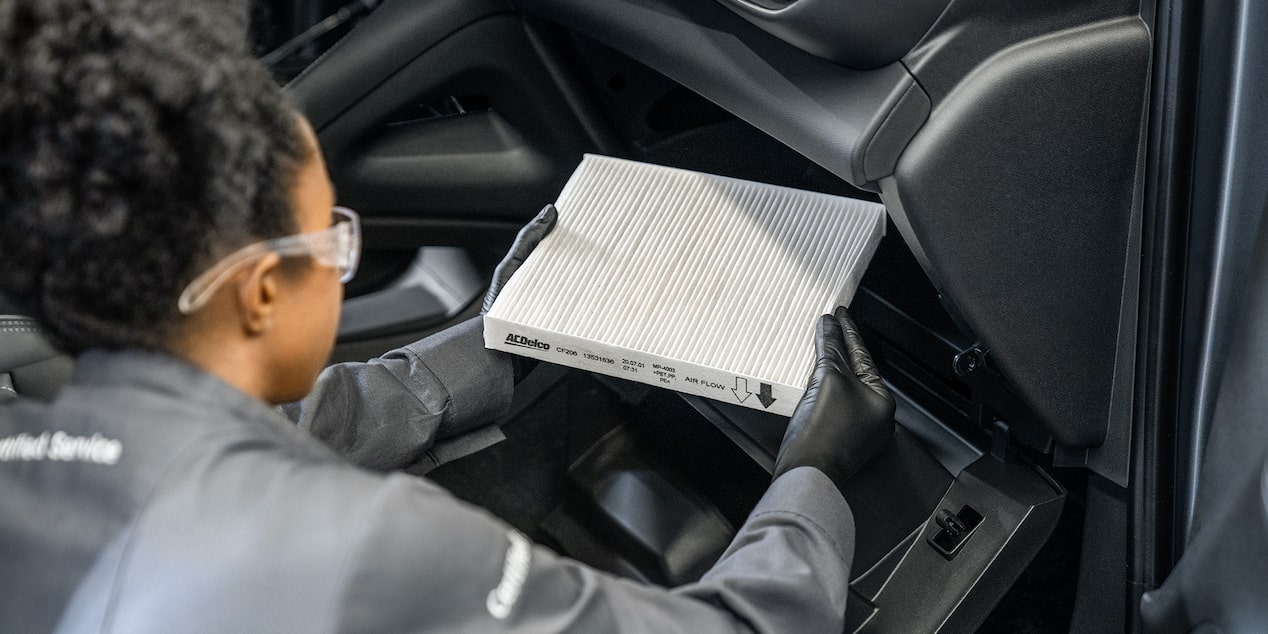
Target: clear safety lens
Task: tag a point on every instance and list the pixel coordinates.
(338, 247)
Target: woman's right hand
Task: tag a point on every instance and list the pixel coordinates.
(846, 416)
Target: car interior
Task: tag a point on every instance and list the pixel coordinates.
(1007, 141)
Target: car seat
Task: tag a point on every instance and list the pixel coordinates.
(30, 366)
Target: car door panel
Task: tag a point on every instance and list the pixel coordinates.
(443, 126)
(501, 162)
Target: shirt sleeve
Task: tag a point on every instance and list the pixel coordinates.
(427, 561)
(432, 400)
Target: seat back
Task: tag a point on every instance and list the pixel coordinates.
(30, 366)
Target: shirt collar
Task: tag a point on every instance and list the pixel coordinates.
(166, 374)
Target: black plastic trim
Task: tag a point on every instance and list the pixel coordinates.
(1020, 506)
(1152, 521)
(1017, 197)
(856, 34)
(488, 165)
(756, 76)
(393, 35)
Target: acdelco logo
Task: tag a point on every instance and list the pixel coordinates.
(525, 342)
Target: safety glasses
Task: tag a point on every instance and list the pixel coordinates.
(338, 247)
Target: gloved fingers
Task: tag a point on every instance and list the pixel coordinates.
(822, 328)
(533, 232)
(859, 358)
(525, 241)
(830, 345)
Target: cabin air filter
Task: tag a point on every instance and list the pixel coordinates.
(696, 283)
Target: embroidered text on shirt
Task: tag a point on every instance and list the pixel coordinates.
(514, 571)
(60, 447)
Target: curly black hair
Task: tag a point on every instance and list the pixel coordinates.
(139, 142)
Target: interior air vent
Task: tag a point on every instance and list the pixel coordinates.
(451, 106)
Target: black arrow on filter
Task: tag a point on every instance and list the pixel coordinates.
(738, 390)
(764, 396)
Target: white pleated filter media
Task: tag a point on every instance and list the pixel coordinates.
(696, 283)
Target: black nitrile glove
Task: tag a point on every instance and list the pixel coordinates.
(846, 416)
(525, 242)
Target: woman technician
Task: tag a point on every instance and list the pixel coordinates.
(168, 216)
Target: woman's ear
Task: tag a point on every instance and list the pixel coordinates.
(258, 295)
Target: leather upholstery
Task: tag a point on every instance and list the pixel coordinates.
(22, 342)
(30, 366)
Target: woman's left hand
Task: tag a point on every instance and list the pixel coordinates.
(527, 240)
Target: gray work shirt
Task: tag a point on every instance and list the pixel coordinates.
(153, 497)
